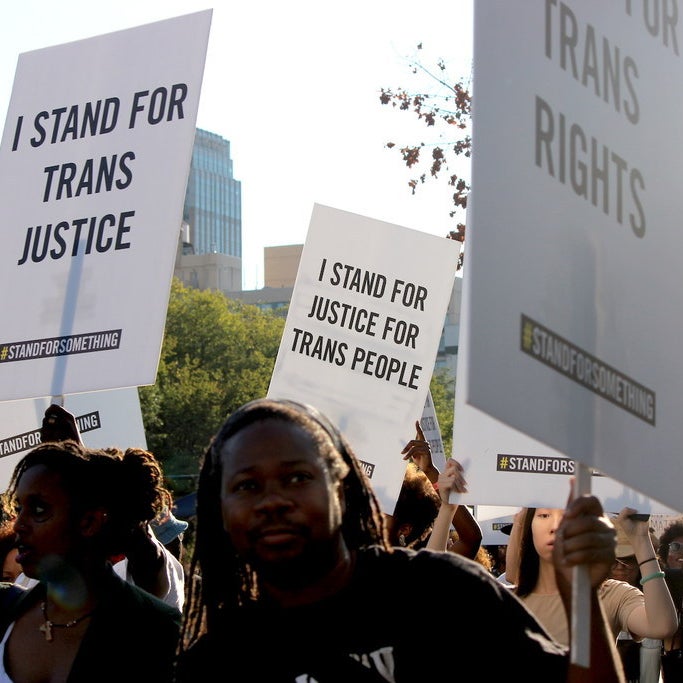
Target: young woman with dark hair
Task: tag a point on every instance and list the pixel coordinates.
(73, 508)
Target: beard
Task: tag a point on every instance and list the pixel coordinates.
(296, 567)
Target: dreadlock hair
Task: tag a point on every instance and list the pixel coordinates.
(220, 580)
(529, 561)
(127, 484)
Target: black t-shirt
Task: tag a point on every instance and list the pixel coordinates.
(405, 616)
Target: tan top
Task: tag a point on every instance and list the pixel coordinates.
(618, 600)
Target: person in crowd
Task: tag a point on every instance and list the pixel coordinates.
(72, 509)
(497, 553)
(514, 531)
(648, 613)
(454, 528)
(299, 583)
(148, 563)
(144, 561)
(671, 553)
(169, 531)
(640, 658)
(421, 508)
(483, 557)
(8, 552)
(416, 507)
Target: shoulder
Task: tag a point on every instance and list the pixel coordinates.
(201, 660)
(125, 595)
(14, 600)
(431, 567)
(426, 560)
(620, 597)
(612, 589)
(10, 593)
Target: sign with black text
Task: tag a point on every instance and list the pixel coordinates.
(362, 333)
(94, 162)
(574, 247)
(104, 418)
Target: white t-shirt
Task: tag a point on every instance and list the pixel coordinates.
(175, 577)
(4, 676)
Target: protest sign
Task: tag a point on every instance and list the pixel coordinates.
(104, 418)
(362, 333)
(94, 162)
(493, 520)
(573, 241)
(504, 466)
(432, 432)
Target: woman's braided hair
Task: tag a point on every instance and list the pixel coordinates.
(219, 579)
(128, 484)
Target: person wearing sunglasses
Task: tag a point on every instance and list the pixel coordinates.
(641, 658)
(671, 553)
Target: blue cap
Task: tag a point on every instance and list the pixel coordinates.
(167, 527)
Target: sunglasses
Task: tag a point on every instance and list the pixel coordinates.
(675, 546)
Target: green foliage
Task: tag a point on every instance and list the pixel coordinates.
(217, 354)
(442, 387)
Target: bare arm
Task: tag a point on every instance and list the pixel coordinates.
(656, 617)
(146, 561)
(468, 529)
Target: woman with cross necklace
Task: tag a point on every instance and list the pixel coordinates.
(73, 508)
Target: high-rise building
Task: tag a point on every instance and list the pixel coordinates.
(213, 200)
(210, 246)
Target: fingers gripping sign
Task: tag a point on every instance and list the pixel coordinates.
(419, 451)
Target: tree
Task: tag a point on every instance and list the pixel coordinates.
(447, 110)
(217, 354)
(442, 388)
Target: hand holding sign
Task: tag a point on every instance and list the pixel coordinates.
(419, 451)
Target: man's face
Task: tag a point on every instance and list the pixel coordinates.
(280, 506)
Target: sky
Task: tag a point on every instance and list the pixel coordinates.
(294, 86)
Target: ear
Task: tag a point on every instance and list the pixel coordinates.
(92, 522)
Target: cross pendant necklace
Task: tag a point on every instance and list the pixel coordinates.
(47, 626)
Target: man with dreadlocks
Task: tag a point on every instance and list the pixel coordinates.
(298, 583)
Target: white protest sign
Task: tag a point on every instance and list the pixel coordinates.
(492, 519)
(432, 432)
(504, 466)
(573, 238)
(94, 162)
(104, 418)
(362, 333)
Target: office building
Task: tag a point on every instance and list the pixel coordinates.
(213, 200)
(210, 248)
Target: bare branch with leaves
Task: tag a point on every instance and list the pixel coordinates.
(449, 110)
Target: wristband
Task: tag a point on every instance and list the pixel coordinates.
(649, 577)
(649, 559)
